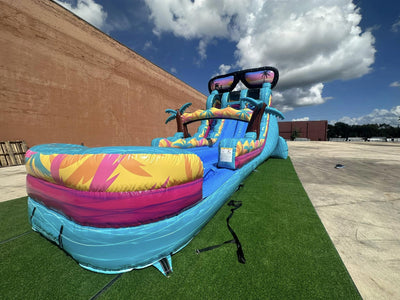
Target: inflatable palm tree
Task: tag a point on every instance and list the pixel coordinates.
(176, 114)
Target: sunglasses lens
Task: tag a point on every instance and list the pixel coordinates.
(222, 84)
(257, 78)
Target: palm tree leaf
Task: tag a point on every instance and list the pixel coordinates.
(256, 103)
(170, 111)
(274, 111)
(170, 118)
(184, 107)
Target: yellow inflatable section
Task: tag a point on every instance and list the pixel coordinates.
(115, 172)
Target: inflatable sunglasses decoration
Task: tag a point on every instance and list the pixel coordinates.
(251, 78)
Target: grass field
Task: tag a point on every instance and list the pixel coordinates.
(288, 254)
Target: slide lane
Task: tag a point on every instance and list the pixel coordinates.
(213, 176)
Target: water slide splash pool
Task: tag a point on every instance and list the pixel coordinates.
(114, 209)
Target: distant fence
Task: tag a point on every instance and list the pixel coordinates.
(355, 139)
(12, 153)
(372, 139)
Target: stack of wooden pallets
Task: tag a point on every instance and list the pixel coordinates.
(12, 153)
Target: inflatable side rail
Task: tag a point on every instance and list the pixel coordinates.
(215, 113)
(113, 186)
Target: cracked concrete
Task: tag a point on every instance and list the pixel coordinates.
(359, 206)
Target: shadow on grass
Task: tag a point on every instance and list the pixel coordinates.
(288, 254)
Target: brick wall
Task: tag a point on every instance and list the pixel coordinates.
(62, 80)
(313, 130)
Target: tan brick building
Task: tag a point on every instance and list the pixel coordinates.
(62, 80)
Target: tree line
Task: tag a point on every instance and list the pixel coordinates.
(343, 130)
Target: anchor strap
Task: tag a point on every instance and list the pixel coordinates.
(60, 243)
(239, 251)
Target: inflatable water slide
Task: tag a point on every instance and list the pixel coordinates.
(114, 209)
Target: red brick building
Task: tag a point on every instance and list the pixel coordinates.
(313, 130)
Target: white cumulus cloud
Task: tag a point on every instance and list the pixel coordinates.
(311, 42)
(377, 116)
(395, 84)
(94, 13)
(396, 25)
(198, 19)
(202, 49)
(302, 119)
(88, 10)
(223, 69)
(148, 45)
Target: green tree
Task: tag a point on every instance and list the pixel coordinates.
(343, 130)
(295, 134)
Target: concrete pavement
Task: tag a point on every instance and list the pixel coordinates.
(359, 205)
(12, 183)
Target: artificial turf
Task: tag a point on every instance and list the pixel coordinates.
(288, 254)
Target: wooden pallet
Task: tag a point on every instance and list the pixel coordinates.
(12, 153)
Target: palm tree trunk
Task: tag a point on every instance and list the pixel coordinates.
(180, 126)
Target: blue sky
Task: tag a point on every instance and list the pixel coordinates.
(339, 60)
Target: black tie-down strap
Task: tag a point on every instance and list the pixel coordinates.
(33, 213)
(60, 243)
(239, 252)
